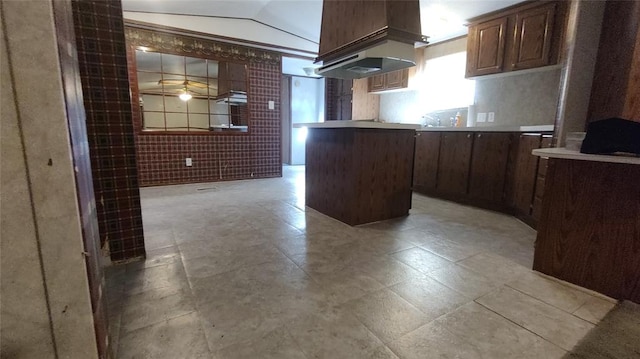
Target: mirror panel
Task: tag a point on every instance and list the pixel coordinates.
(188, 94)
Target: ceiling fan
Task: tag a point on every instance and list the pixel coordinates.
(184, 86)
(189, 83)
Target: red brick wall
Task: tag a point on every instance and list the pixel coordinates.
(99, 31)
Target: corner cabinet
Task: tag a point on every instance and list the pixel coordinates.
(517, 38)
(393, 80)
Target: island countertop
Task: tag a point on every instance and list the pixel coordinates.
(359, 124)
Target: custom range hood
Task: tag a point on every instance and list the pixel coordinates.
(361, 38)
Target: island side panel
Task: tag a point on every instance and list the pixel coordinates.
(383, 163)
(359, 175)
(329, 172)
(589, 231)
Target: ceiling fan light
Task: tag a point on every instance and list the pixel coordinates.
(185, 96)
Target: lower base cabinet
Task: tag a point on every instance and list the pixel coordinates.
(493, 170)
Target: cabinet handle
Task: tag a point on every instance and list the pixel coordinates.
(479, 135)
(468, 135)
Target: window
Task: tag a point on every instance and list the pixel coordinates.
(180, 93)
(443, 83)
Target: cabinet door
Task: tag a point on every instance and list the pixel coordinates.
(485, 47)
(455, 157)
(396, 79)
(425, 166)
(540, 181)
(489, 166)
(525, 173)
(376, 83)
(532, 39)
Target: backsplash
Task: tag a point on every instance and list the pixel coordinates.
(525, 99)
(521, 99)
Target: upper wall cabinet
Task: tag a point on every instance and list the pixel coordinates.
(517, 38)
(393, 80)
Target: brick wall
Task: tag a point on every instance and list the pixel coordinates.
(216, 157)
(102, 58)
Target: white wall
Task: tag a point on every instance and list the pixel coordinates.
(307, 105)
(46, 309)
(529, 98)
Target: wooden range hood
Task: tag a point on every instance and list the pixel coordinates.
(362, 38)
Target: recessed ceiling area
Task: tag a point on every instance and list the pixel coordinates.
(293, 24)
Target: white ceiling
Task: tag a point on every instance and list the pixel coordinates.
(292, 23)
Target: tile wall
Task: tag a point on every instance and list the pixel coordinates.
(103, 66)
(217, 157)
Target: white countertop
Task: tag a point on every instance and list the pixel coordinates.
(538, 128)
(358, 124)
(563, 153)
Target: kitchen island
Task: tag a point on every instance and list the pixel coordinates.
(359, 171)
(589, 230)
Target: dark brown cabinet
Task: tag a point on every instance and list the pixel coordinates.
(489, 166)
(533, 35)
(393, 80)
(525, 171)
(485, 47)
(232, 77)
(493, 170)
(455, 158)
(425, 167)
(517, 38)
(338, 99)
(543, 163)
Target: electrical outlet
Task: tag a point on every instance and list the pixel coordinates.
(481, 117)
(188, 162)
(272, 105)
(491, 117)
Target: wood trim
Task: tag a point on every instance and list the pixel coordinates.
(141, 34)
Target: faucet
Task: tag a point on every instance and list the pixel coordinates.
(428, 118)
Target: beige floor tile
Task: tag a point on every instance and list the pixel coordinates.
(335, 333)
(168, 275)
(493, 336)
(552, 324)
(386, 269)
(469, 283)
(348, 284)
(155, 305)
(433, 341)
(550, 291)
(179, 337)
(269, 277)
(449, 249)
(594, 309)
(494, 267)
(387, 315)
(277, 344)
(431, 297)
(422, 260)
(232, 259)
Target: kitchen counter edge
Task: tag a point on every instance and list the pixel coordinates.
(358, 124)
(564, 153)
(537, 128)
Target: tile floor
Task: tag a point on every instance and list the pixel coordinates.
(243, 270)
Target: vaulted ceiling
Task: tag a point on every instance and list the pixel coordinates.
(292, 25)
